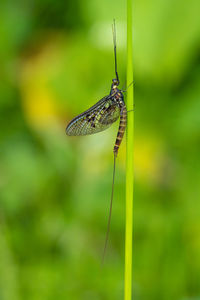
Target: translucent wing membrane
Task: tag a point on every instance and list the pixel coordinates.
(95, 119)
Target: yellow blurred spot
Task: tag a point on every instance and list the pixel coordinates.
(38, 105)
(147, 158)
(38, 101)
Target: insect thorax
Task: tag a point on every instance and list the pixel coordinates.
(118, 96)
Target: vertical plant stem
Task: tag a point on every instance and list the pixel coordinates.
(129, 159)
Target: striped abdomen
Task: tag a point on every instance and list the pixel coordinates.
(121, 130)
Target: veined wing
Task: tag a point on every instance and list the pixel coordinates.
(97, 118)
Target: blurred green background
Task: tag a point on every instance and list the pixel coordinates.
(56, 60)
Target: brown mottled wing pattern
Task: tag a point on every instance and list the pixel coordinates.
(95, 119)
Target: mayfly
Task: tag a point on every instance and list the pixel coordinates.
(100, 116)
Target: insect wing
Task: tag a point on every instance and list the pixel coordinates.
(97, 118)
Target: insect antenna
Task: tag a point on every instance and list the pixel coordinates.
(110, 210)
(115, 48)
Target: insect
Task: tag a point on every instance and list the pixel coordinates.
(101, 116)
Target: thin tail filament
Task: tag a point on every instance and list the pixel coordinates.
(110, 210)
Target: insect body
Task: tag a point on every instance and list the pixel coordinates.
(100, 116)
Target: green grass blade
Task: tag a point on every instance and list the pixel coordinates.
(129, 159)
